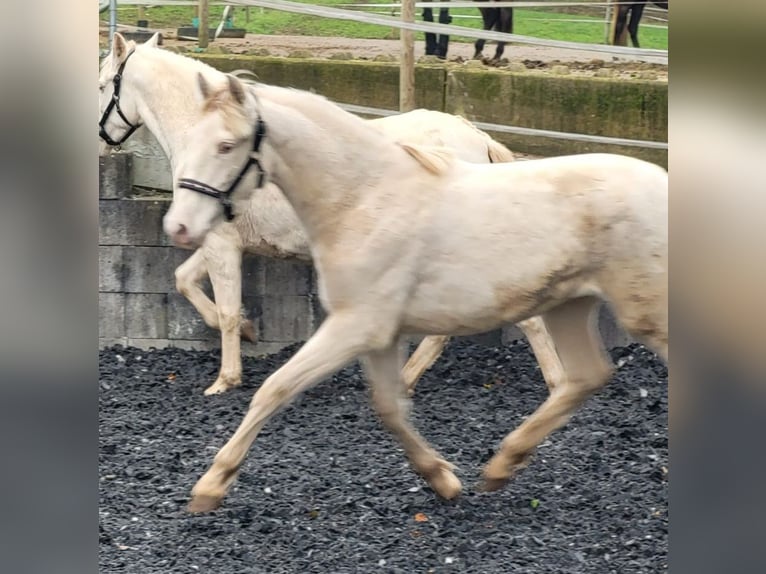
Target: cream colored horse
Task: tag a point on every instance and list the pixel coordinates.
(408, 239)
(158, 90)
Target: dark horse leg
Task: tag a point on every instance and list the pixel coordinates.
(622, 21)
(506, 26)
(428, 16)
(444, 18)
(490, 16)
(636, 11)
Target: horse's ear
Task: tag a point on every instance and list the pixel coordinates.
(119, 47)
(154, 41)
(236, 89)
(204, 87)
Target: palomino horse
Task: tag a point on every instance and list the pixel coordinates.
(408, 239)
(157, 88)
(634, 10)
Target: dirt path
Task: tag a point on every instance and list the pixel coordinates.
(576, 62)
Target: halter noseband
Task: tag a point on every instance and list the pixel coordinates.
(225, 196)
(114, 103)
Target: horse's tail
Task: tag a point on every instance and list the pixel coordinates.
(498, 153)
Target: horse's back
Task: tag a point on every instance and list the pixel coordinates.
(433, 128)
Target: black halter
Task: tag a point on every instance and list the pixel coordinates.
(115, 103)
(225, 196)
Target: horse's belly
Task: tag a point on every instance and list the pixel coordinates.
(453, 311)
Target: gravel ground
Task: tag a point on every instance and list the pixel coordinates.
(326, 489)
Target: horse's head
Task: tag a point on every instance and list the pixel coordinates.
(118, 112)
(220, 165)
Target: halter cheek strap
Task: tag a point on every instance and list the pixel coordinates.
(114, 103)
(225, 196)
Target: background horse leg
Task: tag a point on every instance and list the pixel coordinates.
(539, 338)
(188, 277)
(429, 349)
(339, 339)
(636, 11)
(574, 329)
(444, 18)
(428, 16)
(224, 264)
(505, 25)
(382, 371)
(619, 37)
(489, 16)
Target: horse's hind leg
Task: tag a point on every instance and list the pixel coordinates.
(388, 396)
(574, 330)
(429, 349)
(505, 26)
(489, 16)
(618, 39)
(428, 16)
(636, 11)
(444, 18)
(540, 341)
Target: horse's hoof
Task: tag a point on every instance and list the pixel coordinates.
(492, 484)
(446, 484)
(202, 503)
(222, 385)
(247, 331)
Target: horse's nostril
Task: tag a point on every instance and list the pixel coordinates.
(181, 231)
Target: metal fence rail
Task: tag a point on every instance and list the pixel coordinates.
(355, 109)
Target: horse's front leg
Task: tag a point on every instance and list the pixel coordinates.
(339, 339)
(489, 17)
(388, 395)
(441, 50)
(506, 26)
(188, 276)
(225, 271)
(428, 16)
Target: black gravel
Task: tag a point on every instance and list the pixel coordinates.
(325, 489)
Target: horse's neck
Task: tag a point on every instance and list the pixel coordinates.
(325, 160)
(167, 105)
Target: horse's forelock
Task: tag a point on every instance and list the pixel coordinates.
(233, 113)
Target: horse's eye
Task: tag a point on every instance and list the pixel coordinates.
(224, 147)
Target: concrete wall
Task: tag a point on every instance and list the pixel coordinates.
(138, 303)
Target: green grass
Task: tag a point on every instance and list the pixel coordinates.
(262, 21)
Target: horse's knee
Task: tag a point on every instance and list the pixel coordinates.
(229, 322)
(183, 281)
